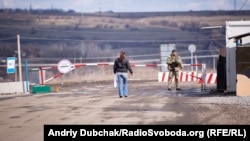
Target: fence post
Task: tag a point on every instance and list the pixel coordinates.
(26, 77)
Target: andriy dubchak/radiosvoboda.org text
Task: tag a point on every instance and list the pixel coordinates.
(126, 132)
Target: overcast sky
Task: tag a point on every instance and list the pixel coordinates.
(128, 5)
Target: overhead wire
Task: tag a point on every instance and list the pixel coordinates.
(244, 4)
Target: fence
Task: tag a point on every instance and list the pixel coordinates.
(200, 75)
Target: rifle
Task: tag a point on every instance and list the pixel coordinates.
(173, 65)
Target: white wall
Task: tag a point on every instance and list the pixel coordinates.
(234, 28)
(11, 87)
(165, 51)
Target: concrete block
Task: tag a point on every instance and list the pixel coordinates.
(11, 87)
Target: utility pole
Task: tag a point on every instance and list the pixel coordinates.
(234, 4)
(19, 58)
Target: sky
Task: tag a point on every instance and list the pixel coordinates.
(128, 5)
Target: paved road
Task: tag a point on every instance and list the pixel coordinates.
(149, 102)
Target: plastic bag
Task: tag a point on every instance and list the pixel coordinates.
(115, 81)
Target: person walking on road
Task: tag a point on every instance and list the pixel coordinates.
(121, 68)
(174, 64)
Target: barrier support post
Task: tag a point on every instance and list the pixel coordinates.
(41, 74)
(203, 77)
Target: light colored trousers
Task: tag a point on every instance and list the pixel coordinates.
(122, 83)
(175, 75)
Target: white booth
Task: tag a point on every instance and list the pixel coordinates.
(233, 29)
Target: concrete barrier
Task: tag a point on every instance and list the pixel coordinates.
(11, 87)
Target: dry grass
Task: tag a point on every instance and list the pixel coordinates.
(104, 73)
(214, 20)
(120, 23)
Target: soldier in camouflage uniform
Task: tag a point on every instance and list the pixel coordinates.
(175, 64)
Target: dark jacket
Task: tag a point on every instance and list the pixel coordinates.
(122, 65)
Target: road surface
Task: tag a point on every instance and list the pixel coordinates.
(23, 116)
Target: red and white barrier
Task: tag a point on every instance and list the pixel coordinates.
(111, 64)
(162, 76)
(54, 77)
(184, 76)
(211, 78)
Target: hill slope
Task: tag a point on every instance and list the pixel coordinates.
(99, 36)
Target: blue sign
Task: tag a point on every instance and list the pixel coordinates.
(11, 63)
